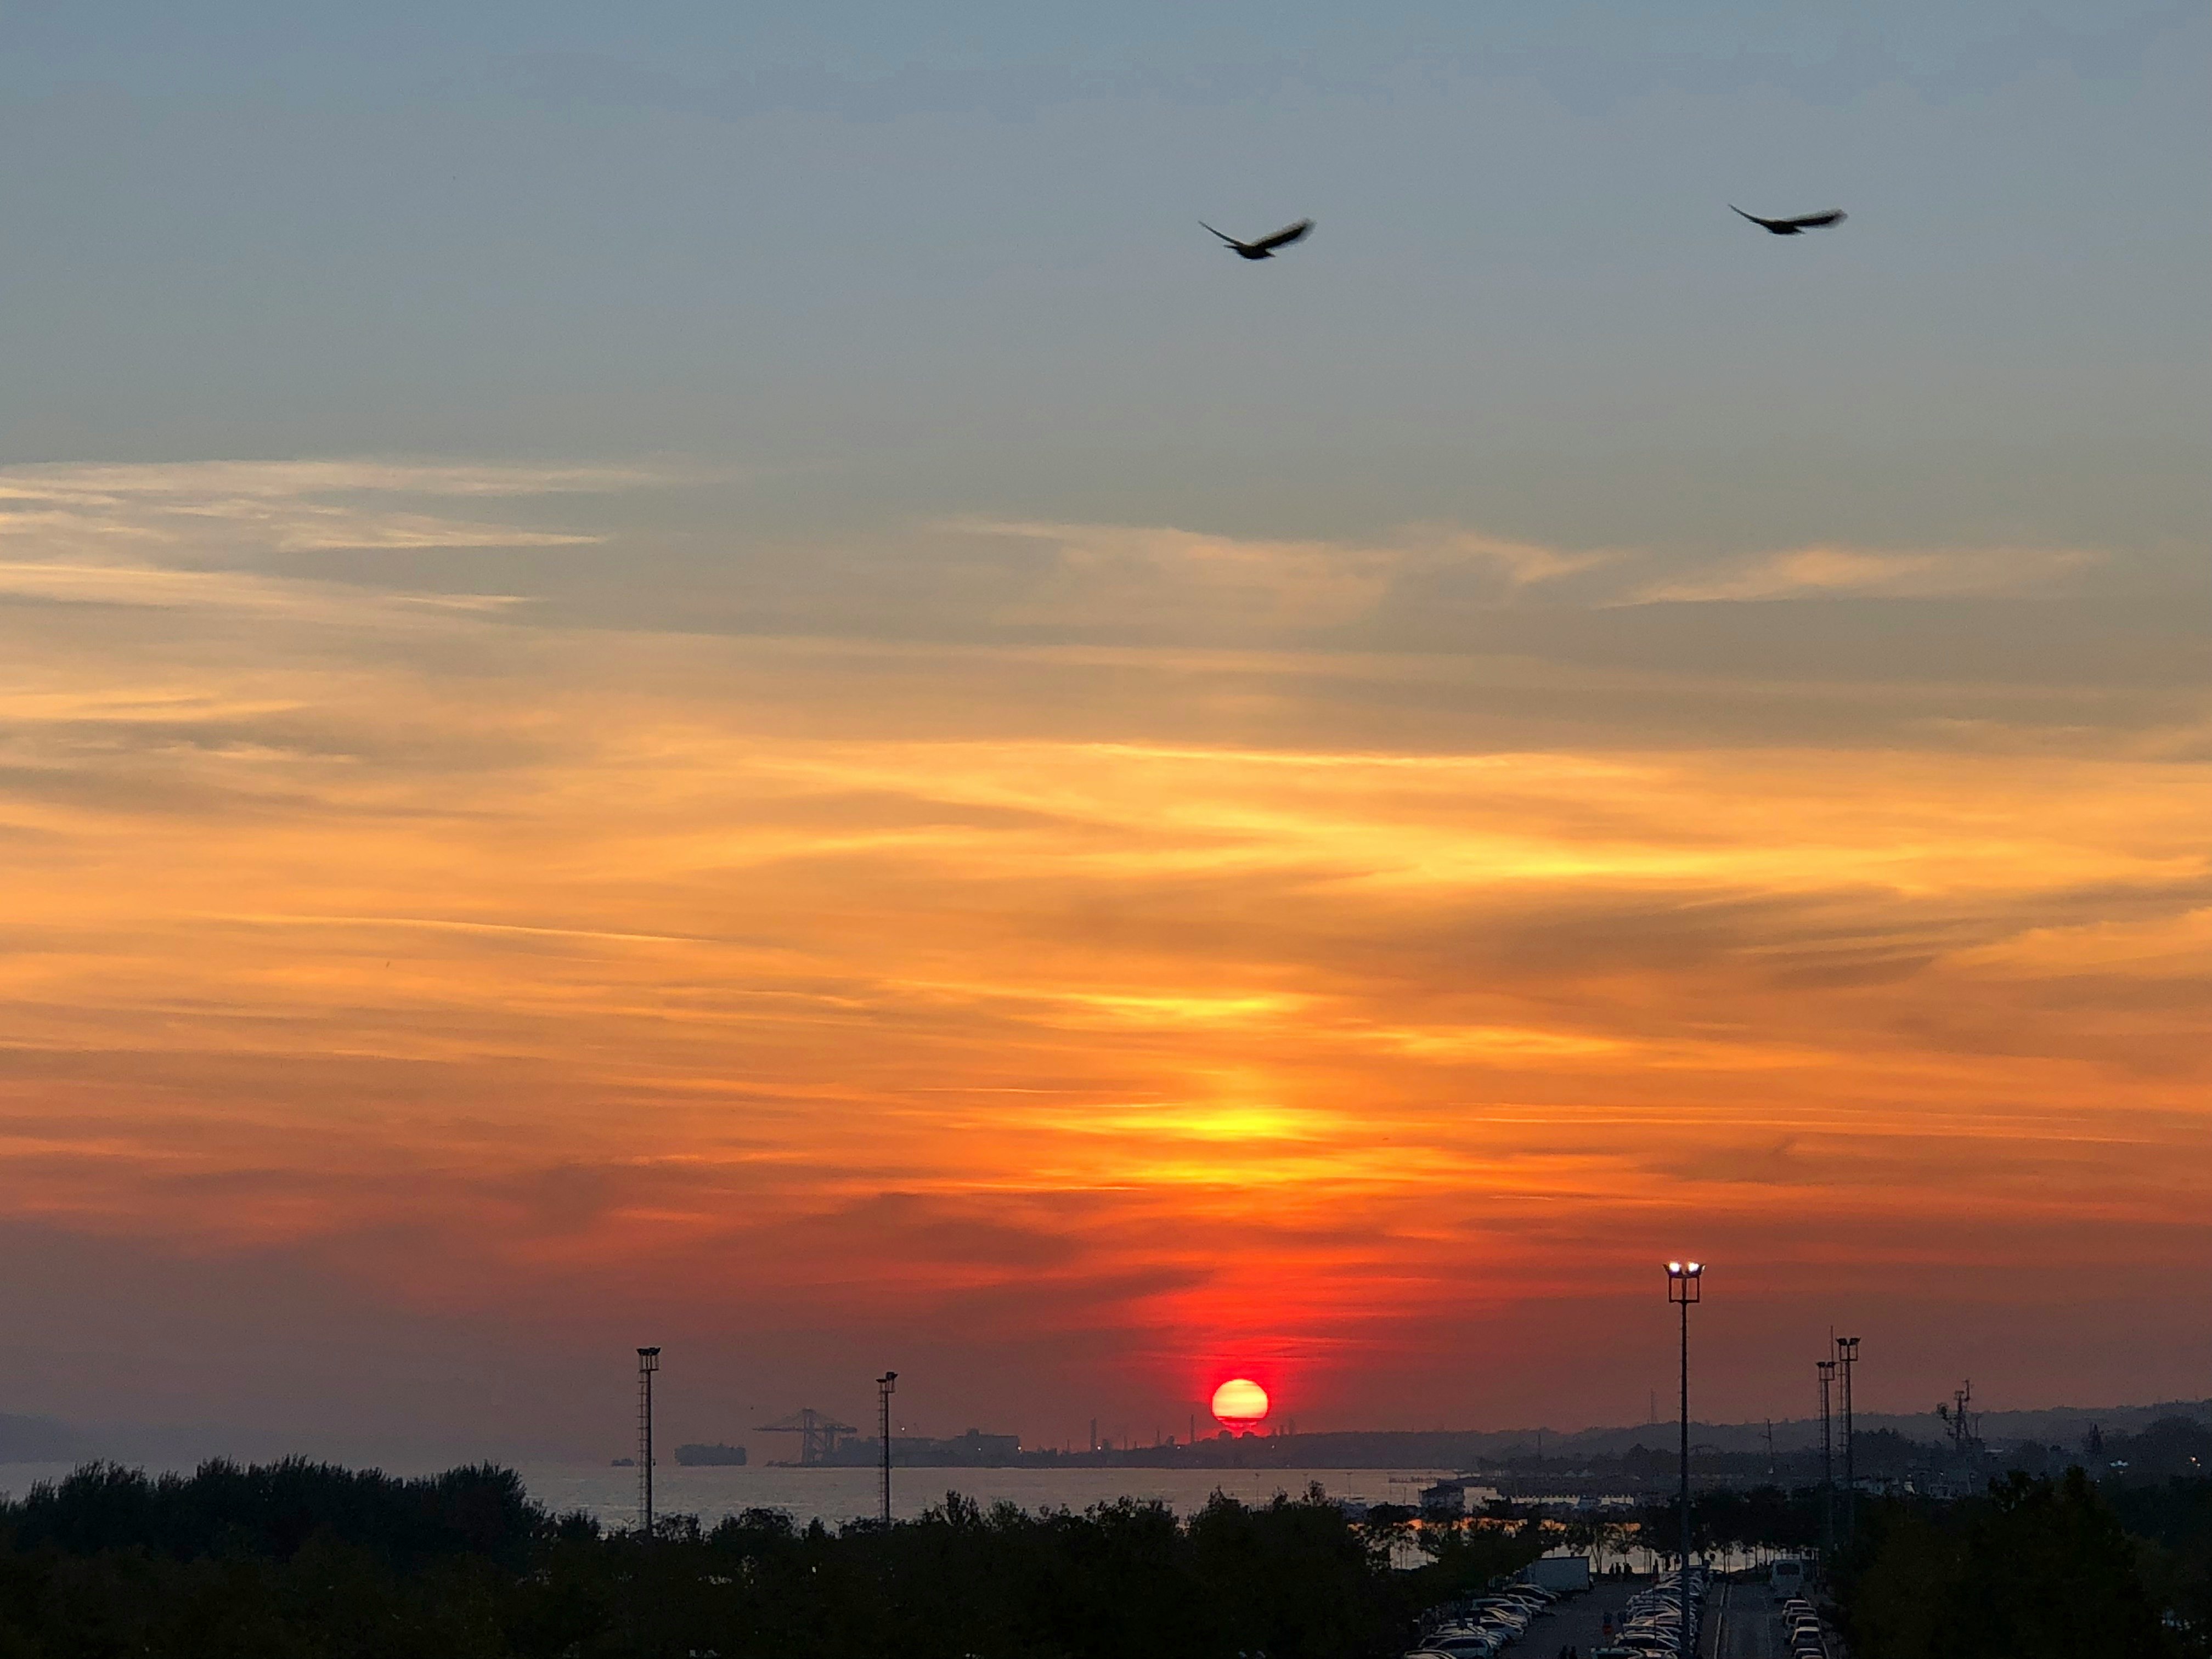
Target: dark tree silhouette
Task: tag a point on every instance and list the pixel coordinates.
(304, 1559)
(2036, 1568)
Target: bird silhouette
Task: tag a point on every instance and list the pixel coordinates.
(1793, 227)
(1264, 248)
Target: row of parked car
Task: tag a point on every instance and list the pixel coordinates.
(1484, 1627)
(1651, 1624)
(1808, 1639)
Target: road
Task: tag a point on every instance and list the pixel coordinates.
(1577, 1621)
(1745, 1623)
(1742, 1621)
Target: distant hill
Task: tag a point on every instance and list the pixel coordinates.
(32, 1439)
(2066, 1425)
(2057, 1424)
(1883, 1437)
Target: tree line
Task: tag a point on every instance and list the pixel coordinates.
(2108, 1555)
(301, 1560)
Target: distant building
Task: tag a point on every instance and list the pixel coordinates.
(1947, 1484)
(985, 1448)
(1446, 1497)
(974, 1450)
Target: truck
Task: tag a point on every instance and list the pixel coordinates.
(1564, 1573)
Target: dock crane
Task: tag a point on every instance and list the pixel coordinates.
(818, 1433)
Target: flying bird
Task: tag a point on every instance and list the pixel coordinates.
(1793, 227)
(1265, 247)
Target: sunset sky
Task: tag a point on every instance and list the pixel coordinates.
(701, 674)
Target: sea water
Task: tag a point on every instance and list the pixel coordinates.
(834, 1496)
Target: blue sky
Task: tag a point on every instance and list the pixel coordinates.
(912, 260)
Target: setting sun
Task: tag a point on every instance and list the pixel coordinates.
(1239, 1403)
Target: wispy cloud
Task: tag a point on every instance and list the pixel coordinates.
(190, 535)
(1285, 989)
(141, 534)
(228, 510)
(280, 479)
(1107, 574)
(1164, 578)
(235, 591)
(1808, 572)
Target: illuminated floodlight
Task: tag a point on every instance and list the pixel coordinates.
(1686, 1283)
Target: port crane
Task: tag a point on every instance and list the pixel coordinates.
(818, 1433)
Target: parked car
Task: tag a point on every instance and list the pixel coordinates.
(1468, 1635)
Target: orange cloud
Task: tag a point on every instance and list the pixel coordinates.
(524, 966)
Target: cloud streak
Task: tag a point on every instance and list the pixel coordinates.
(1109, 574)
(201, 535)
(1178, 996)
(159, 587)
(1817, 572)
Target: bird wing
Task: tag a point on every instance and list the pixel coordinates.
(1225, 236)
(1753, 217)
(1286, 235)
(1832, 216)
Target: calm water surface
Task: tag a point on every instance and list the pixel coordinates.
(836, 1495)
(833, 1496)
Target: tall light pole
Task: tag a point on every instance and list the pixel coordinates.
(1847, 1355)
(1685, 1285)
(884, 1384)
(1827, 1369)
(648, 1361)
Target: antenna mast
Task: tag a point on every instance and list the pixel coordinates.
(1828, 1369)
(1962, 1420)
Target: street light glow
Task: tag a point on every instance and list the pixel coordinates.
(1674, 1267)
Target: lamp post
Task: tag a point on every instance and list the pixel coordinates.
(1847, 1355)
(648, 1362)
(884, 1384)
(1828, 1369)
(1685, 1285)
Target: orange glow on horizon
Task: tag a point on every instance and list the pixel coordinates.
(1135, 1010)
